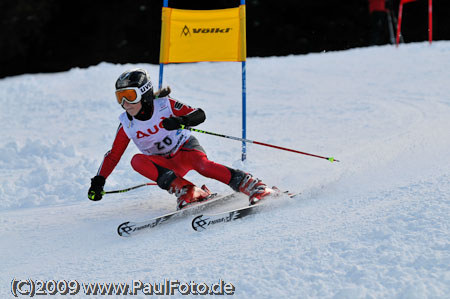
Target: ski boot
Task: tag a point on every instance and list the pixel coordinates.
(187, 193)
(254, 188)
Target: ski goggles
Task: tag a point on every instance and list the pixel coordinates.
(132, 95)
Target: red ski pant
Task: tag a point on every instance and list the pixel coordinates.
(181, 163)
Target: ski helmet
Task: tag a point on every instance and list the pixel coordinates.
(133, 86)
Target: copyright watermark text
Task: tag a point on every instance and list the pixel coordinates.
(32, 287)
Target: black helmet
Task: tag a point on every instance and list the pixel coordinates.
(140, 79)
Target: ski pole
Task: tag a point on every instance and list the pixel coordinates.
(331, 159)
(128, 189)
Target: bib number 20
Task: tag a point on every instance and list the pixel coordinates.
(165, 142)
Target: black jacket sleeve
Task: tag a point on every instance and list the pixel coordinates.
(194, 118)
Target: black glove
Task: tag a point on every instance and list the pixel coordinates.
(95, 193)
(194, 118)
(173, 123)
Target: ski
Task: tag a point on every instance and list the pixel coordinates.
(202, 222)
(129, 228)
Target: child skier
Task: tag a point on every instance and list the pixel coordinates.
(153, 122)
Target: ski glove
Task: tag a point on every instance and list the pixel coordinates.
(194, 118)
(173, 123)
(95, 192)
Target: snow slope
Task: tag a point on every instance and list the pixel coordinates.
(375, 225)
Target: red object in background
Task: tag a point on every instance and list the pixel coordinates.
(430, 20)
(377, 5)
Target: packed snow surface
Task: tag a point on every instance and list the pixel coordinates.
(374, 225)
